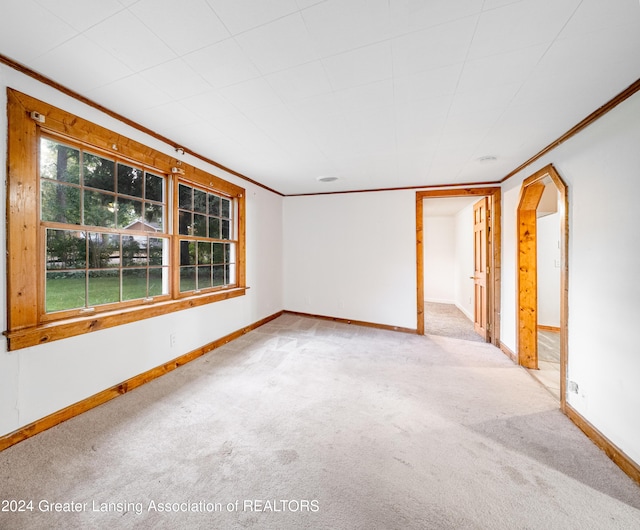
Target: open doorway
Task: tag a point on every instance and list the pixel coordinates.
(448, 243)
(492, 308)
(542, 279)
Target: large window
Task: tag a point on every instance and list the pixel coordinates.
(205, 226)
(103, 230)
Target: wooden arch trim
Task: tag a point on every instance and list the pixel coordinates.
(527, 331)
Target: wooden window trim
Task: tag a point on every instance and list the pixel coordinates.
(24, 322)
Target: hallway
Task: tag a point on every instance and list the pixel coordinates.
(446, 320)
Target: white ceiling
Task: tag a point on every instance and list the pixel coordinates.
(380, 93)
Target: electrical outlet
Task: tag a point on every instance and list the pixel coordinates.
(172, 339)
(572, 386)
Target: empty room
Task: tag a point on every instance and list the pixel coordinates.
(325, 264)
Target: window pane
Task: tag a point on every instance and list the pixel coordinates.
(214, 205)
(184, 223)
(218, 275)
(98, 172)
(204, 277)
(66, 249)
(59, 203)
(214, 228)
(129, 180)
(104, 287)
(204, 253)
(59, 162)
(134, 284)
(156, 283)
(187, 252)
(99, 209)
(227, 253)
(225, 233)
(199, 201)
(134, 251)
(156, 253)
(154, 217)
(130, 214)
(65, 290)
(199, 225)
(185, 200)
(104, 250)
(218, 253)
(154, 187)
(226, 208)
(187, 279)
(230, 274)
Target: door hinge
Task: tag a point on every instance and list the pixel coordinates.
(489, 326)
(488, 269)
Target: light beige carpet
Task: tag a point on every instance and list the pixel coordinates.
(313, 424)
(447, 320)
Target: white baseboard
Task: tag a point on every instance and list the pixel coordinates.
(440, 301)
(451, 302)
(465, 312)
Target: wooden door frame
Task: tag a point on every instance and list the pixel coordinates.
(493, 281)
(527, 286)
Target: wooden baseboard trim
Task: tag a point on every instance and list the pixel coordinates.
(625, 463)
(549, 328)
(508, 352)
(354, 322)
(78, 408)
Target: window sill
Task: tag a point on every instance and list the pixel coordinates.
(62, 329)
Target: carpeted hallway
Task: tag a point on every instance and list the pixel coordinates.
(447, 320)
(313, 424)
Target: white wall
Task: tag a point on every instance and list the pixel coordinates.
(448, 258)
(439, 247)
(601, 166)
(464, 264)
(548, 239)
(38, 381)
(352, 256)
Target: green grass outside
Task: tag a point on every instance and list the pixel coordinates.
(69, 292)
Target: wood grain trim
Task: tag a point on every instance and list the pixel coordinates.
(549, 328)
(76, 409)
(530, 330)
(618, 456)
(75, 95)
(25, 327)
(66, 125)
(353, 322)
(508, 352)
(22, 217)
(404, 188)
(496, 258)
(595, 115)
(527, 289)
(57, 330)
(494, 194)
(459, 192)
(420, 264)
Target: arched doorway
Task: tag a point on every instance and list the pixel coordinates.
(531, 194)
